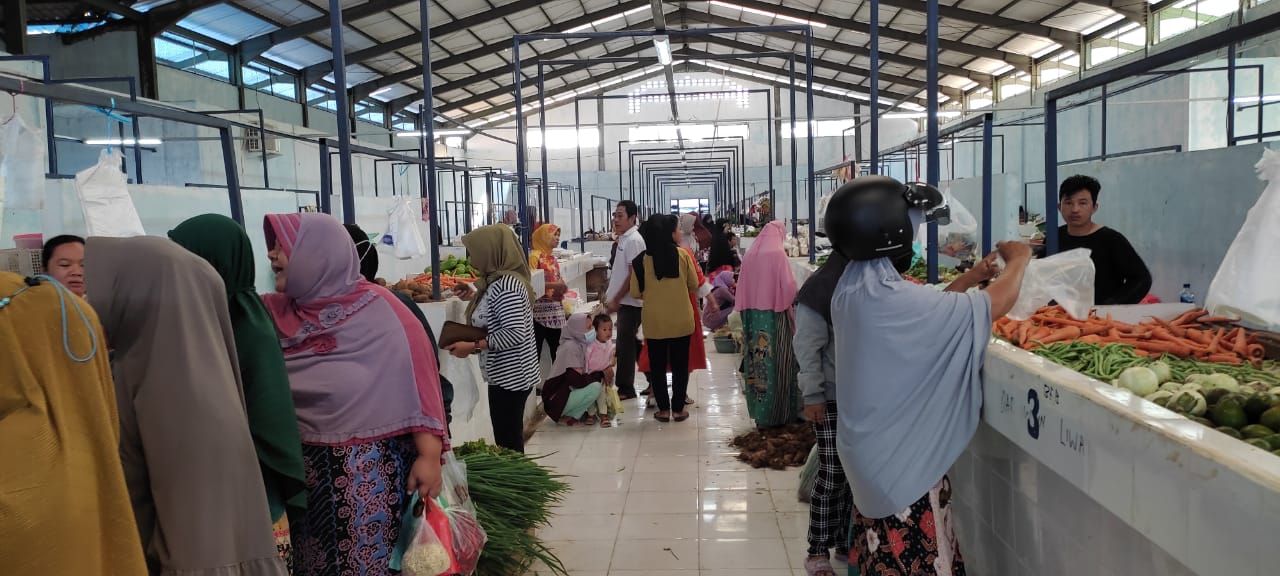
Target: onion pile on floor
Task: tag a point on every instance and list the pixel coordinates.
(776, 448)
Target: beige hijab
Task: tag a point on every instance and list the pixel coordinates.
(188, 458)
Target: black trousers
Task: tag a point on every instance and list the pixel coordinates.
(506, 411)
(549, 335)
(675, 351)
(628, 347)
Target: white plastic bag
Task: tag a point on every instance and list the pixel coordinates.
(1247, 284)
(403, 233)
(104, 199)
(23, 149)
(1067, 277)
(959, 238)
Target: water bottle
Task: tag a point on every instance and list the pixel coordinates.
(1187, 296)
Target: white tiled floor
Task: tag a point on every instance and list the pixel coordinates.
(655, 499)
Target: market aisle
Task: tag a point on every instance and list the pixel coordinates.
(655, 499)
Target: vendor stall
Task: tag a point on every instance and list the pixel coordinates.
(1072, 475)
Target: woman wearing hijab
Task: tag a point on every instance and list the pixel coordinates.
(766, 291)
(571, 391)
(665, 277)
(689, 241)
(721, 256)
(185, 444)
(548, 309)
(64, 506)
(267, 399)
(905, 418)
(702, 235)
(502, 305)
(722, 287)
(367, 392)
(831, 505)
(697, 344)
(367, 252)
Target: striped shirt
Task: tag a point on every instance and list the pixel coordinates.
(511, 363)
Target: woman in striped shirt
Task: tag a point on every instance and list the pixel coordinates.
(502, 304)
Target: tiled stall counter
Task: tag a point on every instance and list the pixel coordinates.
(1069, 476)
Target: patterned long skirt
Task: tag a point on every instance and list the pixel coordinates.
(919, 541)
(354, 501)
(769, 367)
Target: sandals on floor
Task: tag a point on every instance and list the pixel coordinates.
(818, 566)
(680, 416)
(659, 416)
(589, 421)
(606, 422)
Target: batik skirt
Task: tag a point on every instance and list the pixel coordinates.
(769, 368)
(355, 496)
(919, 541)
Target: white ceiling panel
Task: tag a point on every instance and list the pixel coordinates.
(1080, 17)
(1027, 45)
(298, 53)
(284, 11)
(226, 23)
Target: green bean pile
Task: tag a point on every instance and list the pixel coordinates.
(513, 495)
(1105, 363)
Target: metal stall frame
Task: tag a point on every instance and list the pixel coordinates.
(518, 77)
(70, 93)
(652, 169)
(736, 161)
(1227, 38)
(722, 202)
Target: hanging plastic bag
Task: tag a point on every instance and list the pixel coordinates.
(1246, 282)
(1066, 277)
(958, 238)
(428, 548)
(403, 233)
(808, 476)
(614, 400)
(104, 199)
(23, 149)
(467, 535)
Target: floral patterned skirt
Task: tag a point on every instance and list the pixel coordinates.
(355, 496)
(919, 541)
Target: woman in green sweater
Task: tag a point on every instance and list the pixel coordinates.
(664, 276)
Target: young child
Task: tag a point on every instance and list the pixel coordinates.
(600, 356)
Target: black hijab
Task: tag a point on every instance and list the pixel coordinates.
(818, 289)
(721, 252)
(365, 250)
(660, 245)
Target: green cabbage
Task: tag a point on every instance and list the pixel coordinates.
(1139, 380)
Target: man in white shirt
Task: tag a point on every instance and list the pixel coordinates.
(618, 298)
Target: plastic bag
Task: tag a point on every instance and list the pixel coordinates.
(467, 535)
(428, 550)
(1246, 282)
(1067, 277)
(23, 149)
(403, 233)
(613, 400)
(959, 238)
(808, 475)
(104, 198)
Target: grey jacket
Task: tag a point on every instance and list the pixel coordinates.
(813, 345)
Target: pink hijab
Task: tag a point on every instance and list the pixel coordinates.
(765, 281)
(360, 365)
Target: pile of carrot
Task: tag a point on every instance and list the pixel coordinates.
(1187, 336)
(446, 281)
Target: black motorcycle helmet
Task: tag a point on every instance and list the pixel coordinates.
(871, 217)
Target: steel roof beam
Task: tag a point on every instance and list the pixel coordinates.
(1018, 61)
(690, 54)
(1058, 35)
(721, 21)
(253, 47)
(692, 67)
(1133, 10)
(585, 83)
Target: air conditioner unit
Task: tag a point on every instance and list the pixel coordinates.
(255, 143)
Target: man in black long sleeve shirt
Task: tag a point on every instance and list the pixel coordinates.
(1122, 277)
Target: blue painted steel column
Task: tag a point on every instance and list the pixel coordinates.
(347, 181)
(810, 134)
(427, 140)
(875, 87)
(233, 173)
(1050, 176)
(488, 198)
(795, 184)
(522, 195)
(326, 178)
(545, 191)
(1103, 101)
(768, 126)
(582, 222)
(1231, 96)
(933, 169)
(988, 120)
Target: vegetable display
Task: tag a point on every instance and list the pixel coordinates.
(454, 271)
(513, 495)
(1187, 336)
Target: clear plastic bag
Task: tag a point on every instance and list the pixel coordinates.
(429, 549)
(23, 149)
(467, 535)
(403, 233)
(959, 237)
(1247, 280)
(1066, 277)
(808, 476)
(104, 198)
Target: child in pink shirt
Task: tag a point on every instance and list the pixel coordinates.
(600, 357)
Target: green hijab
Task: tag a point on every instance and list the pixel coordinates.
(494, 251)
(268, 400)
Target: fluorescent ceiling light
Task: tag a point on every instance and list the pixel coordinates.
(663, 45)
(382, 90)
(124, 142)
(605, 20)
(765, 13)
(916, 115)
(1256, 99)
(437, 133)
